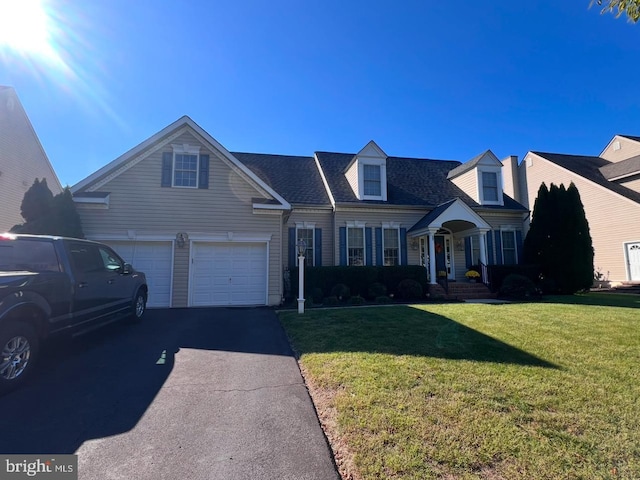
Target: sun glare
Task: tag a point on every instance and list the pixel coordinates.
(25, 27)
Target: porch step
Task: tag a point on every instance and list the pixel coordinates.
(462, 291)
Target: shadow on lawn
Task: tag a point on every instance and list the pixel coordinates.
(403, 331)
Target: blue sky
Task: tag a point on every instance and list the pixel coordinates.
(420, 78)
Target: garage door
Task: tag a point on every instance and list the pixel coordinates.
(155, 260)
(228, 274)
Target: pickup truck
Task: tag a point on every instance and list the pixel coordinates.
(51, 285)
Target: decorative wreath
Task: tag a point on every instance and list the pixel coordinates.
(438, 248)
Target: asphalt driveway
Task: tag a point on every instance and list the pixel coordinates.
(188, 393)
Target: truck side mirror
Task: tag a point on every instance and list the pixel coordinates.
(126, 269)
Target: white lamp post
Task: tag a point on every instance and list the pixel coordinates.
(302, 247)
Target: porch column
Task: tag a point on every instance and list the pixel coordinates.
(432, 258)
(483, 248)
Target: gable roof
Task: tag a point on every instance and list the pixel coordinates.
(631, 137)
(410, 181)
(297, 179)
(156, 139)
(590, 168)
(453, 209)
(467, 166)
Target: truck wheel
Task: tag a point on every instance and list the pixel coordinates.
(18, 352)
(139, 306)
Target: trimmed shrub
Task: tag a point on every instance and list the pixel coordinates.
(519, 287)
(341, 292)
(497, 274)
(330, 301)
(317, 295)
(410, 289)
(356, 300)
(383, 299)
(377, 290)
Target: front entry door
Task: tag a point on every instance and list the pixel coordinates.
(633, 257)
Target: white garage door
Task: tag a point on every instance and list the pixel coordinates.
(228, 274)
(155, 260)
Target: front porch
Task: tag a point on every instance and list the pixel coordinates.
(451, 239)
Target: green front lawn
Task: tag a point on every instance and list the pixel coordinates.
(466, 391)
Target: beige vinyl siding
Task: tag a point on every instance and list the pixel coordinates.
(323, 220)
(22, 159)
(468, 182)
(628, 148)
(405, 219)
(633, 183)
(352, 178)
(613, 219)
(138, 203)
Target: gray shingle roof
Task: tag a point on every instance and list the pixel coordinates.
(466, 166)
(622, 168)
(410, 181)
(589, 168)
(431, 216)
(295, 178)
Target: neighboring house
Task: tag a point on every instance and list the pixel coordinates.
(609, 186)
(22, 159)
(211, 227)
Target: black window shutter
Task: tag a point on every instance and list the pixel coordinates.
(167, 168)
(203, 175)
(498, 235)
(369, 248)
(403, 247)
(318, 247)
(379, 260)
(343, 246)
(292, 247)
(489, 237)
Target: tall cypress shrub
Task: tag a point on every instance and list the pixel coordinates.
(559, 240)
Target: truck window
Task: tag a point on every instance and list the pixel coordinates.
(86, 258)
(28, 255)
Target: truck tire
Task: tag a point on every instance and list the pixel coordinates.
(18, 353)
(139, 306)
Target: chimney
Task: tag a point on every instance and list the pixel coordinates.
(510, 177)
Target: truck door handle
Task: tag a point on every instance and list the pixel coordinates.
(83, 285)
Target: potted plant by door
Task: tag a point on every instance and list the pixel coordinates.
(472, 276)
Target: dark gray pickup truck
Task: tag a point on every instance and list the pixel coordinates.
(54, 284)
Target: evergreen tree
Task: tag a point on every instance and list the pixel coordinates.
(559, 241)
(37, 201)
(45, 214)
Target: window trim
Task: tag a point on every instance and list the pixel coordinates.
(361, 226)
(397, 229)
(511, 230)
(185, 149)
(378, 182)
(306, 226)
(382, 164)
(498, 175)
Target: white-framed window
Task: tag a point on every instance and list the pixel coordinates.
(390, 246)
(490, 187)
(372, 180)
(355, 245)
(186, 163)
(509, 247)
(306, 233)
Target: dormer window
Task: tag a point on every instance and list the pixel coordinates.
(367, 173)
(490, 186)
(372, 182)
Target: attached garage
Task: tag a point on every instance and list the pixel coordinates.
(228, 273)
(155, 259)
